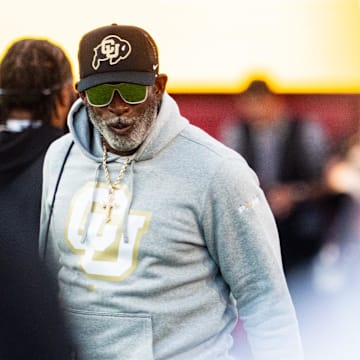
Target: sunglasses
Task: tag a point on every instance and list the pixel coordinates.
(103, 94)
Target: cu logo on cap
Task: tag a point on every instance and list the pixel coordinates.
(112, 49)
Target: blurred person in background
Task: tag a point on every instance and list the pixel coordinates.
(36, 91)
(327, 295)
(288, 154)
(337, 266)
(343, 177)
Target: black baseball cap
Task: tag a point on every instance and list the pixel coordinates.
(117, 53)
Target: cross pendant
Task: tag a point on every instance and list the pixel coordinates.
(109, 205)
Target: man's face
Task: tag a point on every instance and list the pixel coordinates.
(125, 126)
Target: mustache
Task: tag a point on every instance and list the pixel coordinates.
(119, 121)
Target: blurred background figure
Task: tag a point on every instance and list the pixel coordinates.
(337, 267)
(36, 91)
(327, 294)
(288, 154)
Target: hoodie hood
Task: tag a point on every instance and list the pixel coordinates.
(168, 124)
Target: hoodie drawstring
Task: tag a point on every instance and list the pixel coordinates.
(128, 206)
(88, 217)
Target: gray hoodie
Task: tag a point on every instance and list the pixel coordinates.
(192, 246)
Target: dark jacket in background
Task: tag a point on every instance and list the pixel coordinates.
(21, 160)
(31, 325)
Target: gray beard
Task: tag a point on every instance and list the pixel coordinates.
(140, 130)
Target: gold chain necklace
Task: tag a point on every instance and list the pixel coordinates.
(110, 204)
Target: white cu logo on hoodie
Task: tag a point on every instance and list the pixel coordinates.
(103, 252)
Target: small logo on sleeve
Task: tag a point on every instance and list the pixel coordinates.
(248, 204)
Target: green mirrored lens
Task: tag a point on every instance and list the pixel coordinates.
(102, 95)
(132, 93)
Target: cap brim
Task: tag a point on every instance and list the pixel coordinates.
(134, 77)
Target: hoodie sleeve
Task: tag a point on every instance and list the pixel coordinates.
(242, 238)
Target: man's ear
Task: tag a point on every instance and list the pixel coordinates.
(160, 85)
(81, 94)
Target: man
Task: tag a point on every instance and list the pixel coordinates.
(156, 226)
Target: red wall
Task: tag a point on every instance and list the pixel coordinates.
(339, 113)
